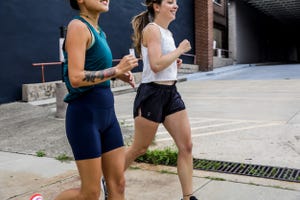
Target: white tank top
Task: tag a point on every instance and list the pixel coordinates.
(169, 73)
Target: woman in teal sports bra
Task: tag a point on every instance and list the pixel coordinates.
(91, 125)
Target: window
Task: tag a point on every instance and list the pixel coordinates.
(218, 35)
(217, 1)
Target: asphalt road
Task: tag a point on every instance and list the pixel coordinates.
(249, 115)
(239, 114)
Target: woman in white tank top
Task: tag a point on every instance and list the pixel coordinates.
(157, 100)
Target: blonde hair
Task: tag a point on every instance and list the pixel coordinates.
(140, 21)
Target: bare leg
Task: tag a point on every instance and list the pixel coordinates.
(90, 173)
(113, 171)
(178, 126)
(144, 134)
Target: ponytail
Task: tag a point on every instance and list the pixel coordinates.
(140, 21)
(138, 24)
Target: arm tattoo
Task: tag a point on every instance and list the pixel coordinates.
(90, 76)
(109, 72)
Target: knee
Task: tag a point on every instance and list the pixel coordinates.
(142, 151)
(121, 186)
(117, 187)
(92, 194)
(139, 151)
(186, 148)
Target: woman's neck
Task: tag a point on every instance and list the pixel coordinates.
(162, 23)
(93, 20)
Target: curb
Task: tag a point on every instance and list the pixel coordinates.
(181, 78)
(215, 72)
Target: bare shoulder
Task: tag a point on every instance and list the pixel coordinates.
(151, 29)
(78, 34)
(77, 26)
(151, 32)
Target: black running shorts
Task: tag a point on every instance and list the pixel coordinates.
(156, 101)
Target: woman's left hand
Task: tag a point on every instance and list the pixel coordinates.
(179, 62)
(128, 78)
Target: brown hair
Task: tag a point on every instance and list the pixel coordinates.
(74, 4)
(140, 21)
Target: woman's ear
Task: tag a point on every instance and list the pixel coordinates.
(156, 7)
(80, 1)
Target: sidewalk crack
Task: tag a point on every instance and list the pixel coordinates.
(289, 120)
(203, 186)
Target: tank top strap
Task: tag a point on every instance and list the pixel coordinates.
(163, 31)
(85, 22)
(91, 29)
(153, 23)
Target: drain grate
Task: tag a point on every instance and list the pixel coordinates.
(278, 173)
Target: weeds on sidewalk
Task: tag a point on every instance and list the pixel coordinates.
(167, 156)
(64, 158)
(40, 153)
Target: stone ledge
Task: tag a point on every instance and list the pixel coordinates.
(45, 93)
(188, 68)
(221, 62)
(38, 91)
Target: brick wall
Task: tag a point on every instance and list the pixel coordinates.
(204, 34)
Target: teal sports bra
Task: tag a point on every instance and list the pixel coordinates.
(98, 57)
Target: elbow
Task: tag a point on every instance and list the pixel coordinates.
(155, 68)
(75, 82)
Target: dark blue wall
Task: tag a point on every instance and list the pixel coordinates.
(30, 34)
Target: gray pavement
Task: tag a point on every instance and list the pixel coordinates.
(237, 114)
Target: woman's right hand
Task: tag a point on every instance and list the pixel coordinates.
(126, 64)
(185, 46)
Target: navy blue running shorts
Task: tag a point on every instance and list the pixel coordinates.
(91, 124)
(156, 101)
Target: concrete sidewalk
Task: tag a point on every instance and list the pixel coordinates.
(24, 175)
(26, 129)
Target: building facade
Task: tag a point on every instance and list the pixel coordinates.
(221, 32)
(264, 31)
(30, 33)
(220, 28)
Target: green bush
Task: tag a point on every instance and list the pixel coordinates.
(40, 153)
(64, 158)
(166, 156)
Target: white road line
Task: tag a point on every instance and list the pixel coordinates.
(199, 119)
(226, 119)
(243, 98)
(130, 121)
(224, 131)
(203, 127)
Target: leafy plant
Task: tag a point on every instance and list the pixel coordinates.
(273, 171)
(215, 178)
(40, 153)
(64, 158)
(166, 156)
(166, 172)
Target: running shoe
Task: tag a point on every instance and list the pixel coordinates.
(36, 197)
(104, 189)
(192, 198)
